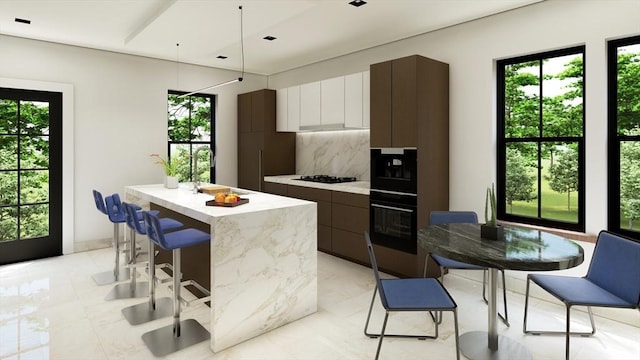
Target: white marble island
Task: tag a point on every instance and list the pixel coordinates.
(263, 258)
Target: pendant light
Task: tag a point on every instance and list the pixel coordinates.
(241, 57)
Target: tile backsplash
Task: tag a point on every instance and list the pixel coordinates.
(336, 153)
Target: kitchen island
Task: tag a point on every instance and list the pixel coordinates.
(262, 261)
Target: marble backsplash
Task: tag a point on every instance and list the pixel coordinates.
(336, 153)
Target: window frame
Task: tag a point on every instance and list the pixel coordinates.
(503, 141)
(614, 140)
(194, 144)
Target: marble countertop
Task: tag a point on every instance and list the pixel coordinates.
(184, 201)
(356, 187)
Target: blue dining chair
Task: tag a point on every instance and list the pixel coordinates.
(613, 280)
(412, 294)
(444, 263)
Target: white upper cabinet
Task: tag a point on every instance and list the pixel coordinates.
(353, 97)
(288, 109)
(341, 102)
(310, 104)
(332, 102)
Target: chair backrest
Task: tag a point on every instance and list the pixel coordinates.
(97, 197)
(131, 217)
(450, 217)
(115, 210)
(374, 266)
(615, 266)
(153, 230)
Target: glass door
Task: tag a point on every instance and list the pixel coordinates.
(30, 175)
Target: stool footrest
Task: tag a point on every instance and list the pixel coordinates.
(197, 300)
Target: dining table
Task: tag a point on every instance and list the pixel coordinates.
(519, 248)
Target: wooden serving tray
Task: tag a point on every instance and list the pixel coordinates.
(240, 202)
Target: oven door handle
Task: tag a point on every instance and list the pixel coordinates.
(392, 208)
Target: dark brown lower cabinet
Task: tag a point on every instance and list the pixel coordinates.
(323, 199)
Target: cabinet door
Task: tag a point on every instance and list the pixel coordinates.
(244, 113)
(366, 96)
(259, 112)
(353, 105)
(250, 146)
(310, 104)
(282, 110)
(332, 101)
(293, 108)
(404, 103)
(380, 97)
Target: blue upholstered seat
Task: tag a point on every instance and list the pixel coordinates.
(451, 217)
(412, 294)
(135, 221)
(613, 280)
(174, 240)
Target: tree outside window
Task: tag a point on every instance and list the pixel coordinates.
(190, 124)
(624, 136)
(540, 139)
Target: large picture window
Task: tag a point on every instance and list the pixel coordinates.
(624, 136)
(190, 126)
(540, 151)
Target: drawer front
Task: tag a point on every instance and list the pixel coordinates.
(324, 238)
(350, 245)
(346, 198)
(397, 262)
(350, 218)
(310, 194)
(275, 188)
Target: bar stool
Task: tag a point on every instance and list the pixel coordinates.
(118, 273)
(153, 309)
(180, 334)
(116, 214)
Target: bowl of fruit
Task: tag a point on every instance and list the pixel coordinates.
(227, 200)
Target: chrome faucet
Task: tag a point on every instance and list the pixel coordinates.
(212, 161)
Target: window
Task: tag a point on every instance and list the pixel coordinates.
(190, 121)
(624, 136)
(540, 151)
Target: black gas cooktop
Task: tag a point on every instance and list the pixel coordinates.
(327, 179)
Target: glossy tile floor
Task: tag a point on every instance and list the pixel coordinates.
(51, 309)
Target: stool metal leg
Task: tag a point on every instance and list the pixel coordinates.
(180, 334)
(118, 273)
(153, 309)
(132, 289)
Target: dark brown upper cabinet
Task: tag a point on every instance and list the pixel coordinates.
(261, 150)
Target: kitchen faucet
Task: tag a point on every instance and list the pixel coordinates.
(212, 161)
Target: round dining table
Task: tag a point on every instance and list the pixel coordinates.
(520, 249)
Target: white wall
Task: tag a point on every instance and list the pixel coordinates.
(471, 50)
(120, 110)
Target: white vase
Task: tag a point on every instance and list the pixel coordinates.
(171, 182)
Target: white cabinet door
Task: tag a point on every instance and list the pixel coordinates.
(293, 108)
(332, 101)
(282, 110)
(353, 101)
(366, 100)
(310, 104)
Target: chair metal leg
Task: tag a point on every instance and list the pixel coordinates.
(132, 289)
(384, 326)
(567, 333)
(505, 318)
(118, 273)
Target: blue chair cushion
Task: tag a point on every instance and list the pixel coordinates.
(183, 238)
(452, 264)
(578, 291)
(416, 294)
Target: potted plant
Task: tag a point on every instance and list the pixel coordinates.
(170, 170)
(490, 230)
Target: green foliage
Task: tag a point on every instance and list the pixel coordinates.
(628, 92)
(563, 174)
(630, 179)
(519, 185)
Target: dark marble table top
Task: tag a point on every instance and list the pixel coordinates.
(522, 248)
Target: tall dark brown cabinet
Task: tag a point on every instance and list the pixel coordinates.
(261, 150)
(410, 108)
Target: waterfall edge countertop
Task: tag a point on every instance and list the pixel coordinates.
(356, 187)
(263, 258)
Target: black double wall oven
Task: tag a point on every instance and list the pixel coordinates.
(393, 198)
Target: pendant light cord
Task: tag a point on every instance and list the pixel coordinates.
(241, 41)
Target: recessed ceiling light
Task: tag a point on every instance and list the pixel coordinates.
(269, 37)
(221, 57)
(22, 21)
(357, 3)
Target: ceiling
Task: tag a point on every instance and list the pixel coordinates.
(306, 31)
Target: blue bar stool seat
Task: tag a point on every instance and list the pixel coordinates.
(153, 309)
(180, 334)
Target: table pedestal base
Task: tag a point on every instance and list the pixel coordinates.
(474, 345)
